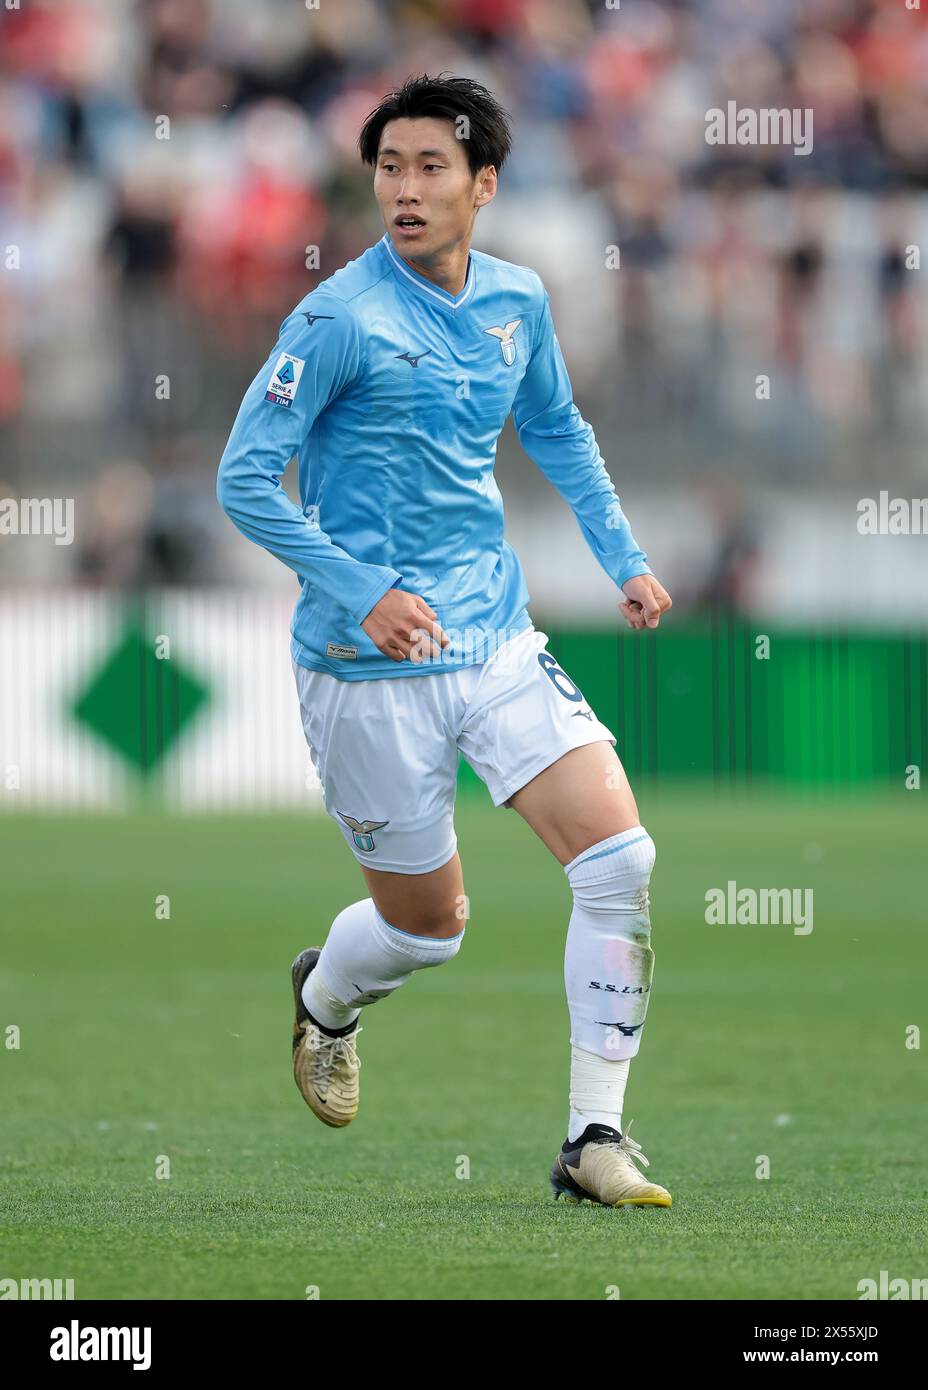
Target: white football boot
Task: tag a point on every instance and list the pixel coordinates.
(325, 1064)
(598, 1167)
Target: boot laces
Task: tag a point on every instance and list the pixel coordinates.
(627, 1148)
(327, 1052)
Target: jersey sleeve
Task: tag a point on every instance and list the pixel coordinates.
(557, 438)
(315, 358)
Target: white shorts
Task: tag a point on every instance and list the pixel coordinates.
(386, 750)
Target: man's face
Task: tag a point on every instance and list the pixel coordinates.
(427, 194)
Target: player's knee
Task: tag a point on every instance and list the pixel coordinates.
(441, 921)
(610, 881)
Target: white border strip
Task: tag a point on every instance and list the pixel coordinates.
(442, 296)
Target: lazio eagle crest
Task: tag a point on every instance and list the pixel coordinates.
(506, 346)
(362, 830)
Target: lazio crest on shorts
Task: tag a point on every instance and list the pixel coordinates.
(363, 831)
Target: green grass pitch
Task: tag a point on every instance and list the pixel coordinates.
(143, 1037)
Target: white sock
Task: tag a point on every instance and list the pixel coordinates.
(608, 960)
(608, 965)
(365, 959)
(597, 1091)
(323, 1006)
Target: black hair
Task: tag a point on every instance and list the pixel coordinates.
(446, 99)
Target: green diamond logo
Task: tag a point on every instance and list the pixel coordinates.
(139, 703)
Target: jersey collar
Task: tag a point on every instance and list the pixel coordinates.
(430, 291)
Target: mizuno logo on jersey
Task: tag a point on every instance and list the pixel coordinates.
(312, 318)
(506, 346)
(411, 358)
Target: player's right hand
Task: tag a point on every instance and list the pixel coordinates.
(402, 625)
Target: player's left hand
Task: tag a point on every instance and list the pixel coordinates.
(645, 601)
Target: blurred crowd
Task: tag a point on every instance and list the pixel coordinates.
(167, 168)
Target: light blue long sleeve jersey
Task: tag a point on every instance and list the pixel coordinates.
(392, 393)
